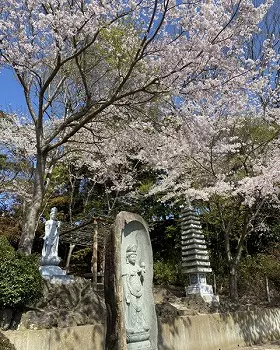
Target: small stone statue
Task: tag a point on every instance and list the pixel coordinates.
(133, 277)
(51, 238)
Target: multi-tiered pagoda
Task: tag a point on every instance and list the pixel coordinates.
(195, 258)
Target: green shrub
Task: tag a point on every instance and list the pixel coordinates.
(252, 272)
(5, 343)
(167, 272)
(7, 252)
(20, 279)
(271, 268)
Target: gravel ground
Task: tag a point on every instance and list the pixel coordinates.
(273, 345)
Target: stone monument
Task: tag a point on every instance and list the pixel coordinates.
(131, 317)
(195, 258)
(49, 261)
(51, 239)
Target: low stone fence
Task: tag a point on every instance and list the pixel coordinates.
(219, 331)
(200, 332)
(90, 337)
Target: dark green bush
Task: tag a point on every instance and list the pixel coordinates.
(167, 272)
(7, 252)
(20, 279)
(5, 343)
(252, 272)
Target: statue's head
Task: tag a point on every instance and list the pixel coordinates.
(53, 213)
(131, 254)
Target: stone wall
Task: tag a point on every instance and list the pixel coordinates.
(219, 331)
(209, 331)
(89, 337)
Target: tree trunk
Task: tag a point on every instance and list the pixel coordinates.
(113, 292)
(267, 290)
(33, 209)
(214, 284)
(94, 255)
(71, 248)
(233, 291)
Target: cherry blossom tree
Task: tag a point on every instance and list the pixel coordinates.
(104, 61)
(17, 148)
(264, 50)
(230, 163)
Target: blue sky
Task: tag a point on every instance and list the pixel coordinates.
(11, 93)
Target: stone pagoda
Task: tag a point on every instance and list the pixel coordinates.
(195, 258)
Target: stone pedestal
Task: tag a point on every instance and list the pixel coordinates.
(55, 274)
(137, 341)
(142, 345)
(199, 286)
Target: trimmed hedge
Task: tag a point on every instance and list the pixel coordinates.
(20, 279)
